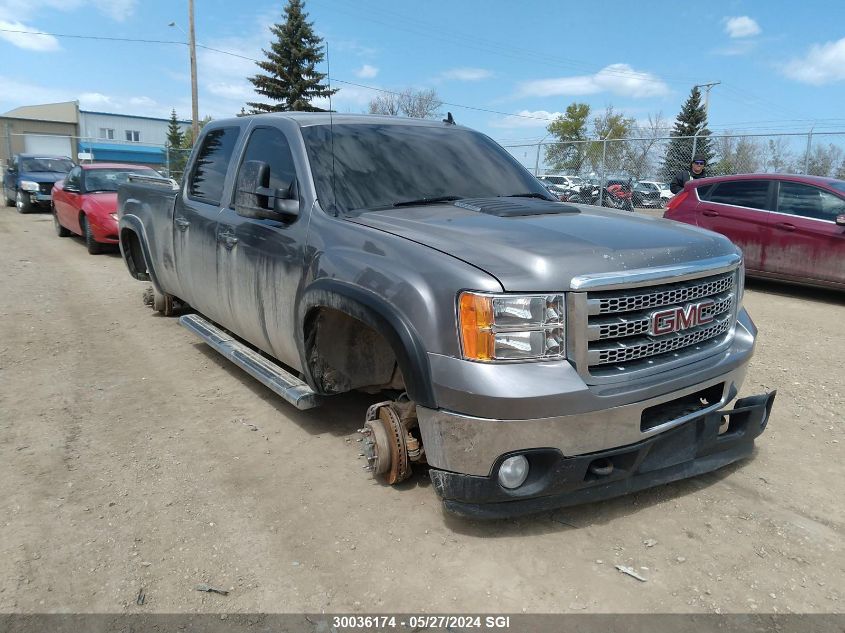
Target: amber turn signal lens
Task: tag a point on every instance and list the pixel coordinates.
(476, 319)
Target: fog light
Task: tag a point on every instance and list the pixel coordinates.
(513, 472)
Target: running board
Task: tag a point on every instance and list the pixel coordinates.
(278, 380)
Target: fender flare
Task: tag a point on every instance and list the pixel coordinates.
(133, 223)
(375, 312)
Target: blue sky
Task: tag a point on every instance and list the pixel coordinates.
(781, 64)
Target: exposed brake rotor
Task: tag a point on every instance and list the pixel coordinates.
(385, 443)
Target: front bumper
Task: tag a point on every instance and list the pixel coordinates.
(555, 480)
(38, 198)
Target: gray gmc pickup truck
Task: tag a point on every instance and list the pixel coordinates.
(532, 353)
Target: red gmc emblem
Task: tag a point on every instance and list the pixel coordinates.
(681, 318)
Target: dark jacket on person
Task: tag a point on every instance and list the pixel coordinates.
(681, 178)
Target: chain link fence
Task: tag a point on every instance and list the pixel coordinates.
(659, 158)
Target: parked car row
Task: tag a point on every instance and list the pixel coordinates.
(82, 198)
(642, 193)
(788, 227)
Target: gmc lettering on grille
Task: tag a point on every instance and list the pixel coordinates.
(681, 318)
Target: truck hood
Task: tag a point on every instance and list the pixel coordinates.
(41, 176)
(543, 252)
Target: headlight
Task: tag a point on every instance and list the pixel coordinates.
(28, 185)
(511, 327)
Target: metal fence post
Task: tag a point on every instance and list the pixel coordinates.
(807, 155)
(603, 168)
(537, 162)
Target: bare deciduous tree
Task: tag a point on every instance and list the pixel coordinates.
(419, 104)
(385, 103)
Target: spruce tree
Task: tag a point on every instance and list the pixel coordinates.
(691, 121)
(177, 156)
(290, 79)
(175, 136)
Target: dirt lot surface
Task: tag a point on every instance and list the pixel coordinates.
(132, 456)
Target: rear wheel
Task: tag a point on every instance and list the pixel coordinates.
(10, 202)
(22, 203)
(94, 247)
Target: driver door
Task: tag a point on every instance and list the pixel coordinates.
(261, 260)
(68, 201)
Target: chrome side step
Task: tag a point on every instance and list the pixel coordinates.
(278, 380)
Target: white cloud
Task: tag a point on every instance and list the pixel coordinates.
(526, 119)
(618, 79)
(366, 72)
(117, 10)
(466, 74)
(823, 63)
(741, 26)
(40, 43)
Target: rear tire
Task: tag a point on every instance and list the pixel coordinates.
(94, 247)
(60, 230)
(22, 203)
(10, 202)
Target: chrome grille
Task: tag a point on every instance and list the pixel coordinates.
(609, 303)
(632, 325)
(619, 323)
(641, 348)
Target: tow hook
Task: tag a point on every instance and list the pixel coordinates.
(388, 442)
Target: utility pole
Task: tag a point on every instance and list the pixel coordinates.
(192, 44)
(707, 88)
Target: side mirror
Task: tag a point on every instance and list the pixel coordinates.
(255, 199)
(840, 219)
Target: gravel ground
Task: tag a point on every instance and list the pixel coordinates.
(133, 457)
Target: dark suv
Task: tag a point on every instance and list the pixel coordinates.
(29, 179)
(788, 227)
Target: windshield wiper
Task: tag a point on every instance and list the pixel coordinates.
(527, 194)
(432, 200)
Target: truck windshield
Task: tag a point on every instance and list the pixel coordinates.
(62, 165)
(382, 165)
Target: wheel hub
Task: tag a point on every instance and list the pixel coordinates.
(384, 443)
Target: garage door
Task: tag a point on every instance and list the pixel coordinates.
(47, 145)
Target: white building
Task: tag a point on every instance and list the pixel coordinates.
(123, 137)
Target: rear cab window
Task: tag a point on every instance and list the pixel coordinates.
(208, 174)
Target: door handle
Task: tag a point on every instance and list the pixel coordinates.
(228, 239)
(710, 213)
(786, 226)
(181, 223)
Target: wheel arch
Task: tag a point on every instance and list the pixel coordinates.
(376, 313)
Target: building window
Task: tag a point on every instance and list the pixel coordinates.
(133, 135)
(107, 133)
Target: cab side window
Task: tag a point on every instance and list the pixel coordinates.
(742, 193)
(269, 145)
(809, 202)
(209, 173)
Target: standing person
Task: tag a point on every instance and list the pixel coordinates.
(695, 171)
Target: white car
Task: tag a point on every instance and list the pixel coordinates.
(569, 182)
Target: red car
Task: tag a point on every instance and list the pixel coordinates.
(788, 227)
(85, 202)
